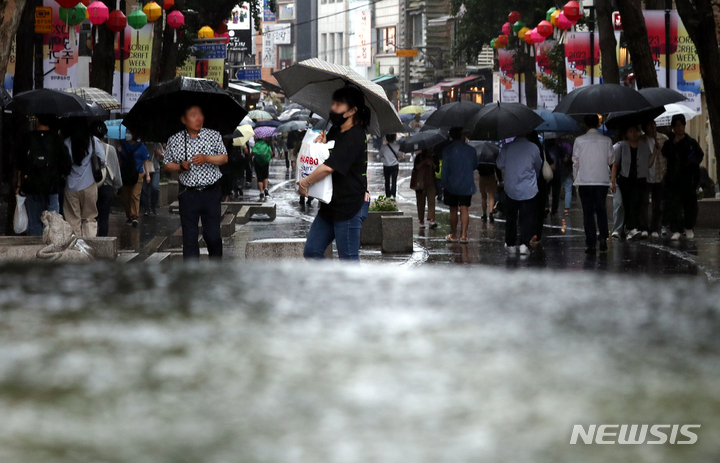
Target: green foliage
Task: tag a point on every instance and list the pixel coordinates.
(383, 204)
(557, 81)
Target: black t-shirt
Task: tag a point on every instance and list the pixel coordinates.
(348, 159)
(633, 163)
(44, 162)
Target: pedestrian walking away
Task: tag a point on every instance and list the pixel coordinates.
(656, 141)
(151, 190)
(134, 165)
(458, 182)
(490, 176)
(342, 218)
(541, 201)
(592, 157)
(391, 164)
(561, 156)
(111, 181)
(422, 181)
(262, 152)
(197, 153)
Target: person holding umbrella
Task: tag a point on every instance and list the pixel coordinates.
(458, 182)
(196, 154)
(342, 218)
(423, 182)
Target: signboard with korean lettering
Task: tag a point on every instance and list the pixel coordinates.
(581, 68)
(512, 89)
(406, 53)
(282, 33)
(211, 61)
(248, 74)
(268, 15)
(43, 20)
(363, 38)
(546, 98)
(269, 51)
(239, 29)
(60, 57)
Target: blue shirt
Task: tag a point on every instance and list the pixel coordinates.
(522, 163)
(81, 176)
(140, 153)
(459, 161)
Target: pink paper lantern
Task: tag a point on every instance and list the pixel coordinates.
(535, 36)
(98, 13)
(176, 20)
(507, 28)
(563, 22)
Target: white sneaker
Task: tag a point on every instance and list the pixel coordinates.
(616, 236)
(644, 235)
(422, 224)
(524, 250)
(632, 234)
(689, 234)
(655, 235)
(675, 237)
(510, 249)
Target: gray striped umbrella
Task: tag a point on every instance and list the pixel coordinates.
(312, 83)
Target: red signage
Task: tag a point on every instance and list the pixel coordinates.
(617, 21)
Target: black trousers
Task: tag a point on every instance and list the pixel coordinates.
(634, 194)
(682, 207)
(657, 193)
(205, 205)
(104, 203)
(593, 199)
(391, 175)
(556, 184)
(526, 209)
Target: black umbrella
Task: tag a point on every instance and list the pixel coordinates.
(625, 119)
(499, 121)
(5, 98)
(156, 115)
(268, 124)
(93, 110)
(302, 115)
(322, 124)
(487, 152)
(46, 101)
(660, 96)
(455, 114)
(423, 140)
(602, 99)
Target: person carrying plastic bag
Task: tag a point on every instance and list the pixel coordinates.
(263, 154)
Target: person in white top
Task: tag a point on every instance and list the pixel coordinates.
(390, 155)
(592, 157)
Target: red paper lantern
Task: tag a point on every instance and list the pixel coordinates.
(176, 20)
(513, 17)
(117, 21)
(68, 3)
(86, 2)
(545, 28)
(563, 22)
(507, 28)
(572, 10)
(167, 4)
(503, 39)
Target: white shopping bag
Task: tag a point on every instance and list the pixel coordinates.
(312, 155)
(20, 221)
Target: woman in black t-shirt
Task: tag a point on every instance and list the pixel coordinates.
(341, 219)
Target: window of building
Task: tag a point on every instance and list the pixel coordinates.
(323, 47)
(340, 49)
(416, 26)
(285, 52)
(331, 51)
(385, 40)
(286, 11)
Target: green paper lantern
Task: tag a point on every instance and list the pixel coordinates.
(517, 26)
(137, 19)
(73, 16)
(492, 43)
(549, 13)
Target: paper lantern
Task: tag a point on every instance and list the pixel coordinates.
(545, 28)
(73, 16)
(503, 38)
(98, 13)
(554, 16)
(549, 13)
(167, 4)
(522, 32)
(206, 33)
(137, 19)
(499, 44)
(153, 11)
(68, 3)
(513, 17)
(536, 36)
(492, 43)
(563, 23)
(86, 2)
(117, 21)
(225, 36)
(518, 26)
(528, 37)
(507, 28)
(176, 20)
(572, 10)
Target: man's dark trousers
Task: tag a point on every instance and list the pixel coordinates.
(526, 210)
(593, 199)
(205, 205)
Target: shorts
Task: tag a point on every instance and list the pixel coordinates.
(452, 200)
(262, 171)
(488, 185)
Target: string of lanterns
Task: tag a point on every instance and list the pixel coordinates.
(560, 19)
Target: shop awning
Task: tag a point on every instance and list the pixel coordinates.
(430, 92)
(242, 89)
(457, 82)
(385, 79)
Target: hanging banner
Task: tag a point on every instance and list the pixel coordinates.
(269, 52)
(546, 98)
(511, 91)
(137, 58)
(363, 38)
(10, 72)
(211, 61)
(60, 57)
(577, 60)
(187, 69)
(239, 29)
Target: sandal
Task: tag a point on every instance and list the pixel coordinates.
(465, 241)
(450, 239)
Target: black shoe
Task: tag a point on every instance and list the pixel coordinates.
(492, 219)
(590, 251)
(309, 201)
(135, 223)
(267, 193)
(603, 246)
(483, 218)
(129, 221)
(302, 200)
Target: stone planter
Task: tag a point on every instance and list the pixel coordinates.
(397, 234)
(163, 198)
(371, 232)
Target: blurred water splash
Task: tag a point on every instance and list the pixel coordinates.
(291, 363)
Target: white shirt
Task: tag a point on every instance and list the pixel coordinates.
(389, 158)
(81, 176)
(592, 157)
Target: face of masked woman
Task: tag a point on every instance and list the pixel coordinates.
(340, 112)
(128, 136)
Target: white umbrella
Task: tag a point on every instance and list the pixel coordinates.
(312, 83)
(664, 119)
(286, 115)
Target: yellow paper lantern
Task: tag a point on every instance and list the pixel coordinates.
(153, 11)
(522, 32)
(206, 33)
(554, 16)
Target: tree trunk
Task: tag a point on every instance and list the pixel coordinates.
(697, 16)
(156, 50)
(10, 13)
(103, 56)
(608, 44)
(168, 59)
(24, 50)
(636, 35)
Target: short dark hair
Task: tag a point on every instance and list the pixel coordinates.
(391, 137)
(190, 106)
(98, 129)
(456, 133)
(678, 118)
(354, 98)
(592, 121)
(45, 119)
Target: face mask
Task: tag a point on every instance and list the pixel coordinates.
(128, 136)
(337, 119)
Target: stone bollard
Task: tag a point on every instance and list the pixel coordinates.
(397, 234)
(371, 232)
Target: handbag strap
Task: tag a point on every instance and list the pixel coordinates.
(393, 151)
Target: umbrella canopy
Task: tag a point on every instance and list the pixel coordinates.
(302, 115)
(487, 151)
(96, 95)
(426, 115)
(423, 140)
(312, 83)
(406, 117)
(503, 120)
(293, 106)
(242, 135)
(322, 124)
(556, 122)
(455, 114)
(660, 96)
(247, 121)
(116, 131)
(46, 101)
(287, 114)
(625, 119)
(264, 132)
(156, 115)
(259, 115)
(602, 99)
(5, 98)
(411, 110)
(664, 119)
(270, 123)
(291, 126)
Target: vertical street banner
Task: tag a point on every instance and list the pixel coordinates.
(239, 29)
(578, 62)
(10, 72)
(363, 38)
(187, 69)
(60, 57)
(511, 87)
(136, 58)
(546, 98)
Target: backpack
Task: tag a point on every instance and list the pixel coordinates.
(128, 166)
(41, 171)
(262, 152)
